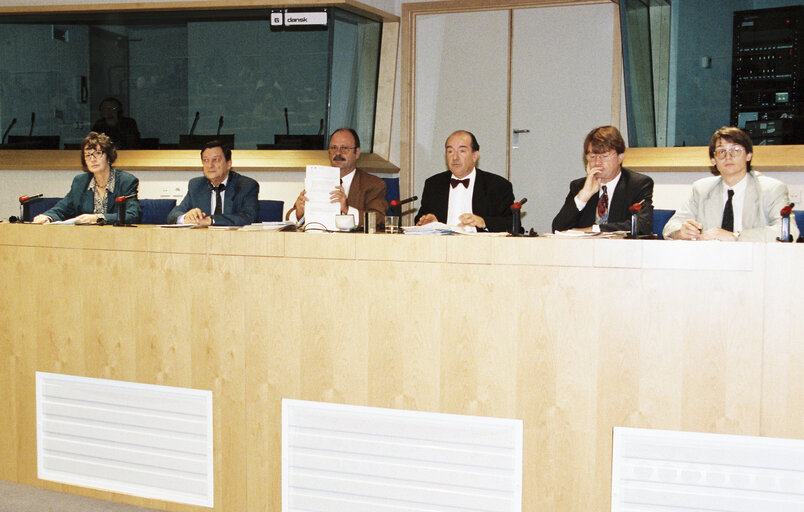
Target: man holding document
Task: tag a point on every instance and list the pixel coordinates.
(356, 192)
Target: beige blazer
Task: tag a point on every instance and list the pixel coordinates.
(764, 199)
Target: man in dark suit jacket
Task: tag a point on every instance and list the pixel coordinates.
(359, 191)
(601, 201)
(222, 197)
(465, 195)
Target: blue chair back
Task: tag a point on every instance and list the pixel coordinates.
(660, 218)
(41, 206)
(155, 211)
(391, 191)
(799, 219)
(271, 210)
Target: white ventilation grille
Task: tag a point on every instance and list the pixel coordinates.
(365, 459)
(145, 440)
(667, 471)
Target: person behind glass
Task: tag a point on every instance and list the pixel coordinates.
(601, 200)
(122, 130)
(734, 204)
(221, 197)
(359, 191)
(92, 195)
(464, 195)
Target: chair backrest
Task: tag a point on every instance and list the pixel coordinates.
(799, 219)
(271, 210)
(660, 218)
(155, 211)
(391, 191)
(41, 206)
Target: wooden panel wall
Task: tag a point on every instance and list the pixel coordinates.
(572, 336)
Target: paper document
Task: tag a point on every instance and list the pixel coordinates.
(574, 233)
(319, 183)
(67, 222)
(269, 226)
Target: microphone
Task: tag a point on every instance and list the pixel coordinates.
(287, 123)
(28, 199)
(121, 208)
(397, 202)
(634, 209)
(195, 122)
(25, 208)
(33, 120)
(516, 217)
(10, 126)
(785, 213)
(220, 125)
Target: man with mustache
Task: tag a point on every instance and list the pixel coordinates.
(359, 191)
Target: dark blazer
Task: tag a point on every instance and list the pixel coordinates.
(82, 200)
(367, 193)
(491, 199)
(632, 188)
(240, 203)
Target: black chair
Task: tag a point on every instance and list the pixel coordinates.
(270, 210)
(155, 211)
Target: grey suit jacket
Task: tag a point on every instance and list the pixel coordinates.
(764, 199)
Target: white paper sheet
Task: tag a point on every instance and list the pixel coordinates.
(319, 183)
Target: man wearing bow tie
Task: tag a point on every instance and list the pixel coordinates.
(222, 197)
(464, 195)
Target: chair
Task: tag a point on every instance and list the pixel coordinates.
(155, 211)
(41, 206)
(270, 210)
(799, 218)
(391, 191)
(660, 218)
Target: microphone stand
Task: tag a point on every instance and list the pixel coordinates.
(516, 217)
(25, 208)
(121, 210)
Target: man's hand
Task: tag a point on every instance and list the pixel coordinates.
(689, 230)
(427, 219)
(470, 219)
(300, 205)
(196, 216)
(88, 218)
(592, 184)
(718, 234)
(41, 219)
(339, 196)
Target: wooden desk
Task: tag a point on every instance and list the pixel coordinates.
(572, 336)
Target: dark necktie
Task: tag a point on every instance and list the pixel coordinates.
(728, 213)
(218, 203)
(603, 206)
(455, 183)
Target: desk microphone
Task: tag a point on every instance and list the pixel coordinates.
(121, 208)
(25, 211)
(785, 213)
(396, 207)
(195, 122)
(516, 218)
(5, 133)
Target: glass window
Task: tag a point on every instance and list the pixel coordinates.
(173, 79)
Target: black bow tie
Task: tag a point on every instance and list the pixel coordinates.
(455, 183)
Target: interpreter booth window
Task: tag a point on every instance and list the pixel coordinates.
(260, 79)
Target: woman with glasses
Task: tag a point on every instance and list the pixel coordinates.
(737, 203)
(91, 199)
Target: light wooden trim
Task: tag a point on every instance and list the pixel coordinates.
(185, 160)
(349, 5)
(616, 70)
(386, 81)
(696, 159)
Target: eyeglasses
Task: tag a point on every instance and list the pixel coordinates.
(734, 152)
(600, 156)
(341, 149)
(94, 154)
